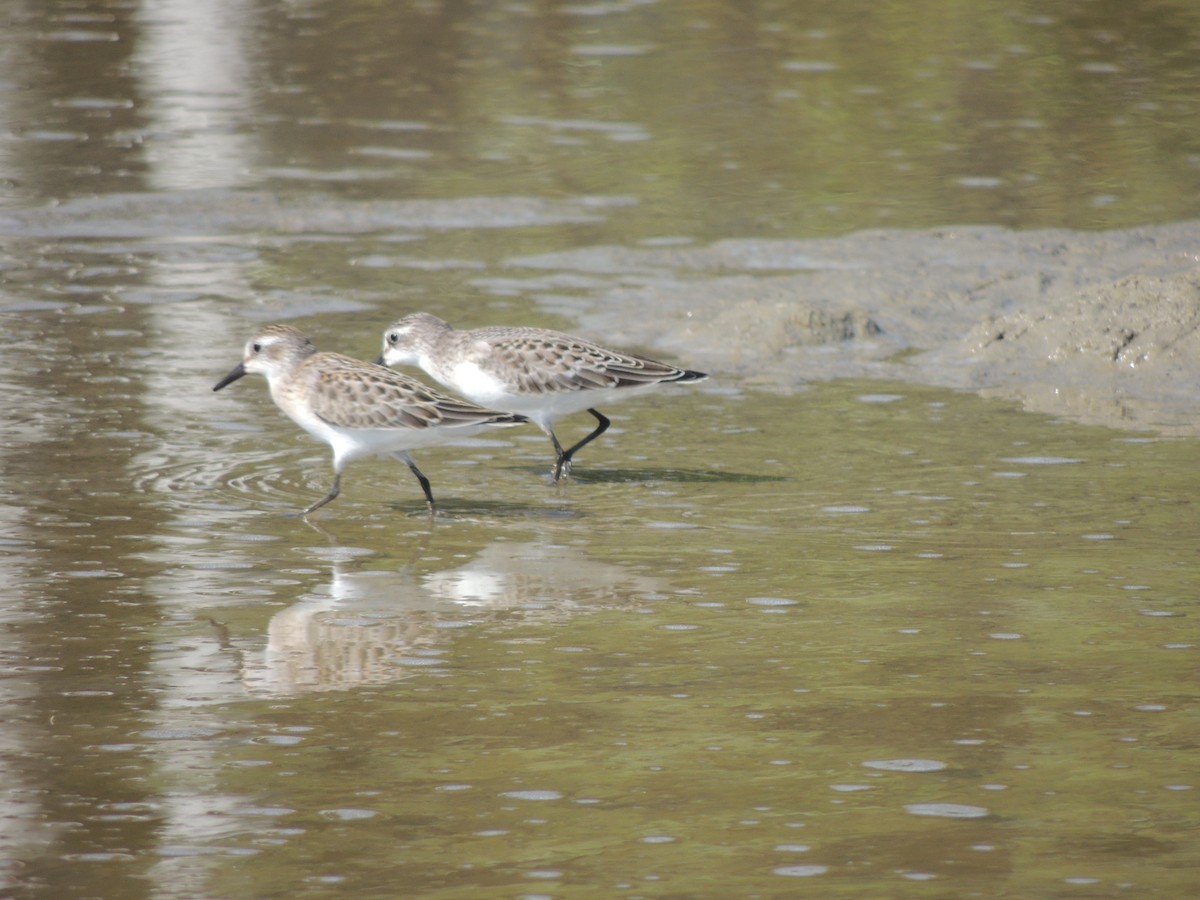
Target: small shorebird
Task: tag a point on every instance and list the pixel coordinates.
(535, 372)
(358, 408)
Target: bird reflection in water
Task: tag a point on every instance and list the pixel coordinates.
(378, 626)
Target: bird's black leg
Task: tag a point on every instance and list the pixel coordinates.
(408, 461)
(563, 465)
(560, 458)
(333, 492)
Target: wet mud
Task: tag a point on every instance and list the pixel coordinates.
(1098, 327)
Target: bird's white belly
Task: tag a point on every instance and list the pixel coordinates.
(478, 386)
(354, 443)
(483, 387)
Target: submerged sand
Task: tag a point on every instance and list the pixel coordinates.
(1103, 328)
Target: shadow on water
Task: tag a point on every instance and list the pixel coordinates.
(648, 474)
(459, 509)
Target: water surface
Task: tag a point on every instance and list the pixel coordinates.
(857, 638)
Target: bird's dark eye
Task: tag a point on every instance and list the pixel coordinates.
(257, 348)
(393, 337)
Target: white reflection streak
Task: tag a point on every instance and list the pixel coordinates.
(192, 67)
(199, 88)
(198, 84)
(24, 829)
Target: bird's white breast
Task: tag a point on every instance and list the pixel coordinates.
(479, 386)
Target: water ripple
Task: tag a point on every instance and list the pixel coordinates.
(217, 479)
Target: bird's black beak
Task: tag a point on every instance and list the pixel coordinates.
(381, 361)
(238, 371)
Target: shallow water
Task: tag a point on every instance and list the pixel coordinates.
(859, 638)
(939, 640)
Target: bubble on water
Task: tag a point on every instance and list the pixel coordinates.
(873, 548)
(272, 811)
(1098, 537)
(250, 538)
(348, 814)
(532, 795)
(340, 553)
(905, 765)
(1150, 707)
(1160, 613)
(918, 876)
(946, 810)
(846, 508)
(771, 601)
(792, 848)
(879, 398)
(849, 788)
(98, 857)
(658, 839)
(1040, 460)
(1005, 636)
(800, 871)
(180, 734)
(280, 740)
(1079, 879)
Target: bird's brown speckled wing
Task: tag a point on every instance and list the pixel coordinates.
(550, 363)
(350, 393)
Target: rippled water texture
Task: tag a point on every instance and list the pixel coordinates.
(857, 638)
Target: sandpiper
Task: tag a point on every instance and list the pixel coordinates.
(534, 372)
(358, 408)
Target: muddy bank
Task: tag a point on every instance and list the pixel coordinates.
(1103, 328)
